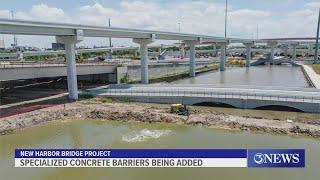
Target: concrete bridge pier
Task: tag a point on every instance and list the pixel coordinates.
(294, 51)
(144, 59)
(248, 56)
(214, 50)
(223, 46)
(310, 49)
(70, 45)
(272, 45)
(286, 50)
(192, 63)
(182, 51)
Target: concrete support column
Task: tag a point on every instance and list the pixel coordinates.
(272, 45)
(192, 63)
(20, 56)
(214, 50)
(310, 49)
(286, 50)
(144, 59)
(223, 47)
(70, 43)
(294, 52)
(248, 56)
(182, 51)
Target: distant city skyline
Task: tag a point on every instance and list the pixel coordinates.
(287, 18)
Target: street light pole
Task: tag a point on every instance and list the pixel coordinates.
(15, 43)
(110, 43)
(317, 41)
(225, 26)
(226, 21)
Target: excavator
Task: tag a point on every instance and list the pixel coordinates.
(180, 109)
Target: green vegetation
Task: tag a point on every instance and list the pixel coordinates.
(6, 132)
(125, 79)
(106, 99)
(178, 75)
(235, 62)
(43, 58)
(316, 67)
(86, 95)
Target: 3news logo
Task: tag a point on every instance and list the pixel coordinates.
(273, 158)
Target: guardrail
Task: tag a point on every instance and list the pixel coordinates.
(211, 94)
(37, 65)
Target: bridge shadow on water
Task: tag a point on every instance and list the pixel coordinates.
(268, 107)
(279, 108)
(214, 104)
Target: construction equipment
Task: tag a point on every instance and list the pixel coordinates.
(179, 109)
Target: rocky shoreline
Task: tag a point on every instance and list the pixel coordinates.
(153, 113)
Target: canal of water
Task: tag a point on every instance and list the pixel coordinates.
(277, 76)
(105, 135)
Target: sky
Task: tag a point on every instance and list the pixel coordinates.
(246, 18)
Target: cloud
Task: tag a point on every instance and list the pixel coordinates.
(200, 17)
(44, 12)
(5, 13)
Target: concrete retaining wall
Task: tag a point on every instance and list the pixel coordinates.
(15, 73)
(238, 103)
(162, 69)
(312, 77)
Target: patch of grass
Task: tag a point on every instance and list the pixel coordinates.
(86, 96)
(125, 79)
(235, 62)
(178, 75)
(6, 132)
(106, 99)
(316, 67)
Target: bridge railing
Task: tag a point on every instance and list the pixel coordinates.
(46, 64)
(211, 94)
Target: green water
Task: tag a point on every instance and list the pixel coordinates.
(98, 134)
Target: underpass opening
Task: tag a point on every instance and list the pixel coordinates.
(279, 108)
(214, 104)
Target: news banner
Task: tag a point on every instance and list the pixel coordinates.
(145, 158)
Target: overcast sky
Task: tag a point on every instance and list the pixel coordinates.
(272, 18)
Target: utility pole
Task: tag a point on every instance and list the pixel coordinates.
(225, 25)
(15, 43)
(257, 31)
(110, 42)
(226, 20)
(179, 29)
(317, 41)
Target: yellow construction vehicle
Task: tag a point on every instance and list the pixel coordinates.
(179, 109)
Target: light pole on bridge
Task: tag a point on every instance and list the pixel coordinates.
(317, 41)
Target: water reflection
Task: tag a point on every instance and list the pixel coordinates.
(283, 76)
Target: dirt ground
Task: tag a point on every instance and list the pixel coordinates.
(110, 110)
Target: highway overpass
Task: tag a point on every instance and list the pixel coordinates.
(9, 72)
(70, 34)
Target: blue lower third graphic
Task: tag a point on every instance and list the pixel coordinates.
(273, 158)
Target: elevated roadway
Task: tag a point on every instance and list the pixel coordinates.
(9, 72)
(70, 34)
